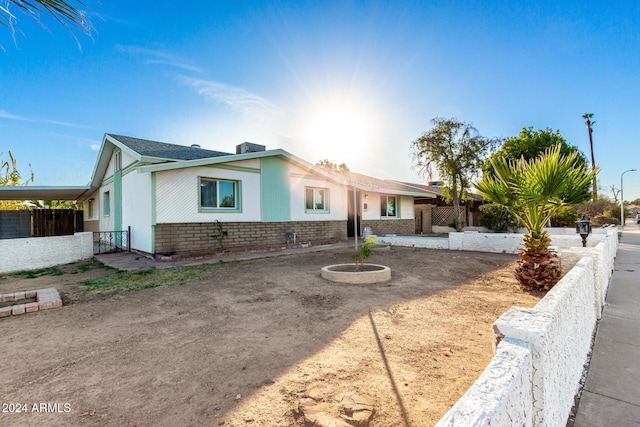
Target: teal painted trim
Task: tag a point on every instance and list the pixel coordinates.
(235, 168)
(153, 199)
(327, 201)
(274, 189)
(117, 200)
(205, 209)
(153, 212)
(107, 181)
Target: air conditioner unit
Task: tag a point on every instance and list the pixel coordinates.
(249, 147)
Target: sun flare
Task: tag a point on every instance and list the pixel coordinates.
(337, 131)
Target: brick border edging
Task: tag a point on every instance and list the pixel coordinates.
(244, 250)
(45, 299)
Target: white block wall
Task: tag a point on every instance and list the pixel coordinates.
(502, 395)
(41, 252)
(556, 335)
(509, 243)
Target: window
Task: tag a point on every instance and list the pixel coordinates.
(316, 199)
(388, 206)
(106, 203)
(117, 161)
(219, 194)
(90, 209)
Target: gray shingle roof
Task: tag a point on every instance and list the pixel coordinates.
(165, 150)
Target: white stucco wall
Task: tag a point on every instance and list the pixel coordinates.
(414, 242)
(136, 209)
(373, 207)
(510, 242)
(298, 180)
(502, 395)
(557, 333)
(177, 195)
(126, 159)
(41, 252)
(96, 207)
(106, 222)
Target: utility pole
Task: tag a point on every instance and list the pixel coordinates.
(587, 117)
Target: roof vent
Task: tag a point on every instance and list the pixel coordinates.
(195, 145)
(249, 147)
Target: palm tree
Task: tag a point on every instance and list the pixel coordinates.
(532, 191)
(65, 12)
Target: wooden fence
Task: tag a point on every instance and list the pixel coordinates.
(40, 223)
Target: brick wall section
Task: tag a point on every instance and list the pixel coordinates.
(190, 238)
(15, 224)
(401, 227)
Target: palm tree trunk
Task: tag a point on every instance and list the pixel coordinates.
(538, 268)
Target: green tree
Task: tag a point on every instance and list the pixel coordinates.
(51, 204)
(10, 176)
(456, 150)
(533, 190)
(67, 13)
(327, 164)
(532, 143)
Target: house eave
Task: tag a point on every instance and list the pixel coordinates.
(46, 193)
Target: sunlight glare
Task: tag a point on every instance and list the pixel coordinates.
(337, 131)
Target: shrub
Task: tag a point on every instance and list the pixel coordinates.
(566, 216)
(600, 220)
(497, 218)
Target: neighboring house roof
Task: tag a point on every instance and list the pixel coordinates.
(436, 189)
(369, 183)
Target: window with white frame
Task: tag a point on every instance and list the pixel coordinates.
(316, 199)
(219, 194)
(388, 206)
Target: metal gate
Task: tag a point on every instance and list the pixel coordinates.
(106, 242)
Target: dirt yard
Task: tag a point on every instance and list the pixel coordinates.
(265, 342)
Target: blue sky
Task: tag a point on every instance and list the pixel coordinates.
(351, 81)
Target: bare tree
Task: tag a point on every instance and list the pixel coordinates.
(615, 193)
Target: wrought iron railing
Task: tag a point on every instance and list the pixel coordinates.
(105, 242)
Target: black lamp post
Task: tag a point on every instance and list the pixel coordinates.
(583, 227)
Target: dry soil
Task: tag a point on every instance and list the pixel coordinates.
(265, 342)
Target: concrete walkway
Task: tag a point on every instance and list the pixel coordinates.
(131, 261)
(611, 394)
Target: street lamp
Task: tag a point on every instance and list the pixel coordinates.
(622, 198)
